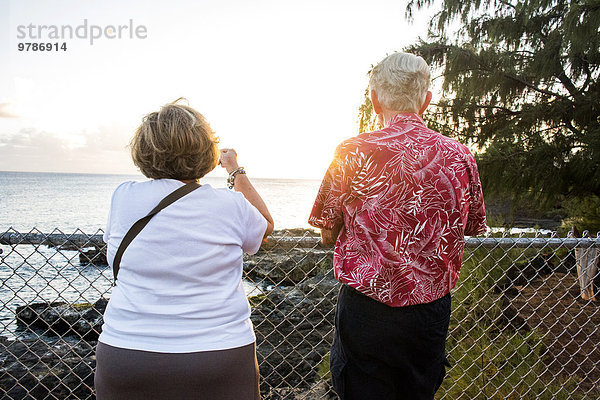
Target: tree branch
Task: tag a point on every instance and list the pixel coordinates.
(490, 107)
(506, 3)
(588, 77)
(515, 78)
(570, 126)
(532, 86)
(567, 83)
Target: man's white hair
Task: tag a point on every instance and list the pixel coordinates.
(401, 81)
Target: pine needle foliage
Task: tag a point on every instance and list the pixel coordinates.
(520, 85)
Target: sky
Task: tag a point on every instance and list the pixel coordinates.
(279, 81)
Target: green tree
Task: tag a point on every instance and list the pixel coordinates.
(367, 119)
(520, 82)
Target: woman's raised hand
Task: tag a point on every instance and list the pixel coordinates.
(228, 160)
(242, 184)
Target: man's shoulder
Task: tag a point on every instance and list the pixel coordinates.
(450, 145)
(356, 140)
(351, 145)
(459, 149)
(363, 140)
(370, 141)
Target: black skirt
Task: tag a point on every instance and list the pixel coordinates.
(217, 375)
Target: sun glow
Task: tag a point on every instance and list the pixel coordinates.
(280, 82)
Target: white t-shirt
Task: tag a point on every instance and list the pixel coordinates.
(180, 280)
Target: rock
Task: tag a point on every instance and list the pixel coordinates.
(292, 239)
(40, 369)
(293, 325)
(289, 267)
(294, 330)
(296, 232)
(322, 284)
(319, 391)
(93, 257)
(522, 214)
(510, 318)
(59, 318)
(523, 273)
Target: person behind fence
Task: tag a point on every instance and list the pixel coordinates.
(397, 204)
(177, 325)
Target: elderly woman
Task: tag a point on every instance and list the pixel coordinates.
(178, 323)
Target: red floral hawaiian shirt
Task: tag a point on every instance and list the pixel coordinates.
(405, 197)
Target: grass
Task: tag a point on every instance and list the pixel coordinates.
(81, 306)
(489, 359)
(323, 368)
(256, 300)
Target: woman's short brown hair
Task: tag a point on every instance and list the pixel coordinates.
(175, 142)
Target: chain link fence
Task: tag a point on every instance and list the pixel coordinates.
(525, 323)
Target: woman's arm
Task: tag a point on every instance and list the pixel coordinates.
(243, 185)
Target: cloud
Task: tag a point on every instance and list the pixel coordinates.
(91, 152)
(6, 111)
(113, 137)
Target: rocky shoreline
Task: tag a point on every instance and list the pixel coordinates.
(505, 212)
(293, 319)
(293, 325)
(53, 357)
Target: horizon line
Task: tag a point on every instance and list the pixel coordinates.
(142, 175)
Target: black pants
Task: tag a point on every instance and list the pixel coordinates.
(381, 352)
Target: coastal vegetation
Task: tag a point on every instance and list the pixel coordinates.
(496, 347)
(520, 86)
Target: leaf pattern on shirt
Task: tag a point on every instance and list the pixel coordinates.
(406, 196)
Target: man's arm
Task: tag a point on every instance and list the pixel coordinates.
(329, 237)
(476, 222)
(327, 210)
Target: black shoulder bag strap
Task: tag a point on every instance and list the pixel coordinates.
(142, 222)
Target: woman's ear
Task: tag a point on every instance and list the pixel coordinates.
(375, 102)
(426, 102)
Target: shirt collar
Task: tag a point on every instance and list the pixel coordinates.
(404, 117)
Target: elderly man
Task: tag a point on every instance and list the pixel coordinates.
(397, 203)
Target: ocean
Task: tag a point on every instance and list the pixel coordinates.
(46, 201)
